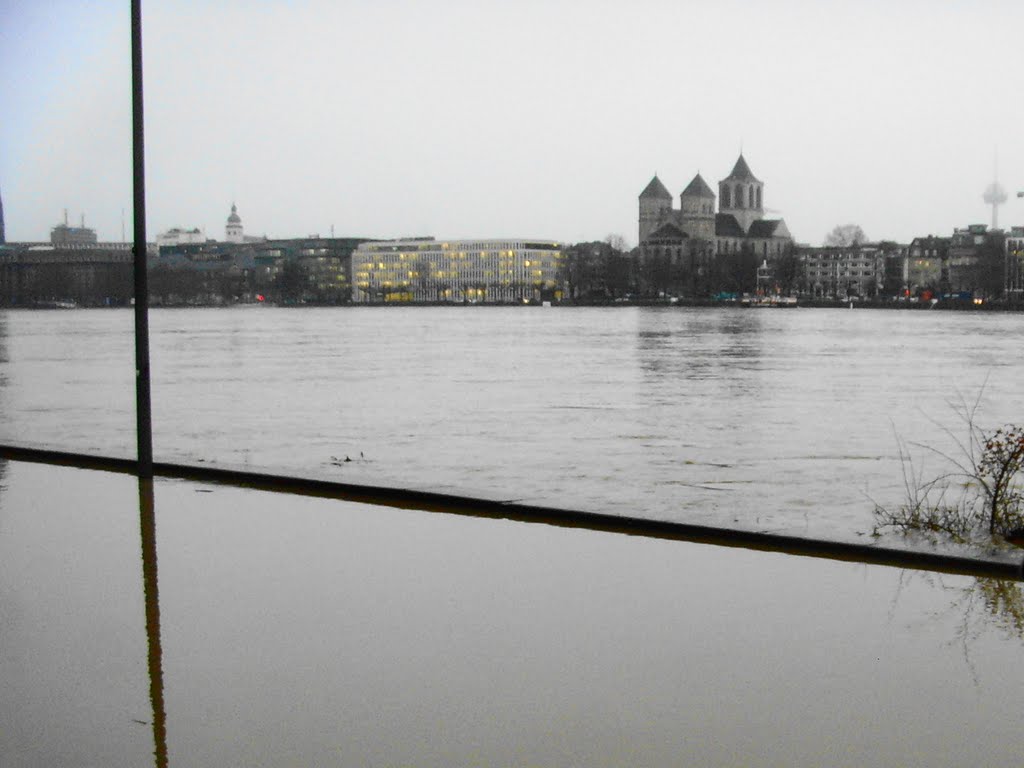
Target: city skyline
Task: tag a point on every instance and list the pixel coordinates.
(489, 119)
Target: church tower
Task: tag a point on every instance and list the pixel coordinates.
(233, 229)
(655, 207)
(697, 209)
(741, 195)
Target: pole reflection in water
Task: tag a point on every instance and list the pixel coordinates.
(147, 526)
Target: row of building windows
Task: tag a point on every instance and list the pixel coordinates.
(440, 274)
(760, 247)
(392, 258)
(841, 273)
(431, 264)
(461, 245)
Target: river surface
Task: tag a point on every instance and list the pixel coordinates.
(296, 631)
(188, 624)
(768, 419)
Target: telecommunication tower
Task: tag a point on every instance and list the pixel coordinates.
(995, 195)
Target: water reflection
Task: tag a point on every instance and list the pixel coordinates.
(703, 346)
(991, 603)
(977, 607)
(73, 675)
(147, 528)
(299, 630)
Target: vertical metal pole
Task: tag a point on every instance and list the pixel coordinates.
(143, 411)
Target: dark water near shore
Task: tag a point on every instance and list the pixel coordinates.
(772, 419)
(300, 631)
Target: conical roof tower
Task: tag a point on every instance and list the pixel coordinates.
(741, 195)
(741, 171)
(698, 188)
(655, 189)
(697, 209)
(655, 207)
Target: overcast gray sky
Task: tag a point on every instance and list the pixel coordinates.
(488, 119)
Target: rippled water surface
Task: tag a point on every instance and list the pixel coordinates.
(773, 419)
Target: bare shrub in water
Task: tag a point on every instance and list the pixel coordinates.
(999, 474)
(982, 492)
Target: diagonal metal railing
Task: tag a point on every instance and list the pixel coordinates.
(1010, 566)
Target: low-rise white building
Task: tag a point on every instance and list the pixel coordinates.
(179, 236)
(429, 270)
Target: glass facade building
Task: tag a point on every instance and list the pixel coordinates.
(499, 271)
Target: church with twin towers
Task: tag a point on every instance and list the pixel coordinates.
(738, 224)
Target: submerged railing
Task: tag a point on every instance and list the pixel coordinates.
(455, 504)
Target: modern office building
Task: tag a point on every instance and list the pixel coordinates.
(510, 270)
(313, 270)
(325, 265)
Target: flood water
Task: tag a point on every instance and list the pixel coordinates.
(299, 631)
(770, 419)
(196, 625)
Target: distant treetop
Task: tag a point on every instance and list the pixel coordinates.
(846, 236)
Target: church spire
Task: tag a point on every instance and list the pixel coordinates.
(741, 195)
(741, 171)
(233, 229)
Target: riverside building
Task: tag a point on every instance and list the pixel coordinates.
(512, 270)
(839, 273)
(738, 225)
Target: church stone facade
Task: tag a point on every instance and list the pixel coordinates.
(738, 224)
